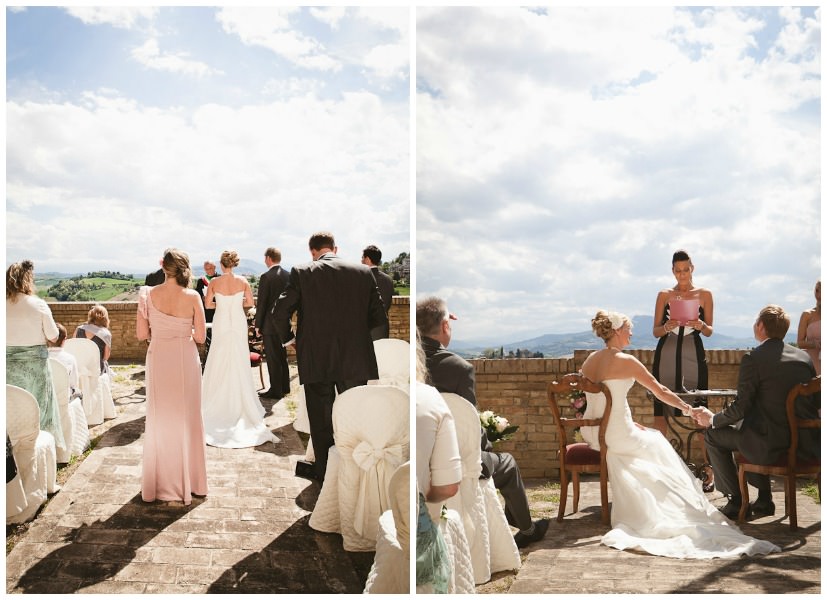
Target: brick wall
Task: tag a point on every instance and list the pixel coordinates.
(125, 346)
(516, 389)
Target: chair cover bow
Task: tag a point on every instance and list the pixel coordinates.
(377, 465)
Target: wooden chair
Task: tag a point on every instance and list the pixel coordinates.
(789, 466)
(257, 359)
(578, 457)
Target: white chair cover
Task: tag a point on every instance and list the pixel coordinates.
(60, 382)
(391, 570)
(393, 357)
(371, 430)
(302, 422)
(459, 554)
(97, 393)
(34, 452)
(72, 416)
(486, 528)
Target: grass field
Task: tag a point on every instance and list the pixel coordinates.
(99, 289)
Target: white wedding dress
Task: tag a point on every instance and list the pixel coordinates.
(233, 414)
(658, 505)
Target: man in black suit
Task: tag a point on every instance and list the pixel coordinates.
(372, 257)
(756, 423)
(270, 286)
(201, 287)
(452, 373)
(338, 304)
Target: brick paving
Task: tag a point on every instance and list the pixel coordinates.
(249, 535)
(570, 560)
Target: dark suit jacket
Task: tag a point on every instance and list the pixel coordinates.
(385, 285)
(449, 372)
(201, 288)
(338, 304)
(156, 278)
(766, 376)
(270, 286)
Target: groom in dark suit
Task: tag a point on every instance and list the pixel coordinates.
(338, 304)
(270, 286)
(766, 376)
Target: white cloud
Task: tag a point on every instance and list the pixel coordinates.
(601, 140)
(149, 55)
(219, 176)
(270, 28)
(331, 15)
(117, 16)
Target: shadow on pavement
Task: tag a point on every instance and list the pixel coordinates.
(98, 551)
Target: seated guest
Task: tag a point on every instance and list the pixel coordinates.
(96, 329)
(67, 358)
(766, 376)
(438, 475)
(29, 325)
(451, 373)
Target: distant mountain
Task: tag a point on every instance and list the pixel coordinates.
(554, 345)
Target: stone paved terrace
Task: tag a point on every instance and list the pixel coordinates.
(571, 560)
(249, 535)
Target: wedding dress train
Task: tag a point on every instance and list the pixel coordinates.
(658, 505)
(233, 414)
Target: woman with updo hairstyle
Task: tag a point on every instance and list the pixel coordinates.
(96, 329)
(171, 317)
(680, 360)
(29, 326)
(658, 505)
(233, 414)
(809, 330)
(229, 259)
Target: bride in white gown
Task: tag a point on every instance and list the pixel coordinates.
(233, 414)
(658, 505)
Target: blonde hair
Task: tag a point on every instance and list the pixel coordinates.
(605, 323)
(19, 279)
(176, 263)
(98, 315)
(229, 258)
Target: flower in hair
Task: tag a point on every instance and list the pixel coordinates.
(616, 320)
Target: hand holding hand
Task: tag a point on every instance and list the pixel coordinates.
(703, 416)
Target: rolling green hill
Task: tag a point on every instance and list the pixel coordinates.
(80, 288)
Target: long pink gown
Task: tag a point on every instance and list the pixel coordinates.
(174, 462)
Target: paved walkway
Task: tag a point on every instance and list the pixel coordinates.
(249, 535)
(570, 560)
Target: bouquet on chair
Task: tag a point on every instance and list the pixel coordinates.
(577, 401)
(497, 428)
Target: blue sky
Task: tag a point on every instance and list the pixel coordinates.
(133, 129)
(564, 154)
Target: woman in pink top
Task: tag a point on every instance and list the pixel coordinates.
(809, 330)
(171, 317)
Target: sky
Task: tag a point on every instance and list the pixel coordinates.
(564, 154)
(129, 130)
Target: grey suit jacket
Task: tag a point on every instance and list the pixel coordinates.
(338, 304)
(766, 376)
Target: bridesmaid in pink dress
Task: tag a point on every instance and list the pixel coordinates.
(809, 330)
(172, 318)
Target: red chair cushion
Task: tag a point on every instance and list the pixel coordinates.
(255, 358)
(581, 454)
